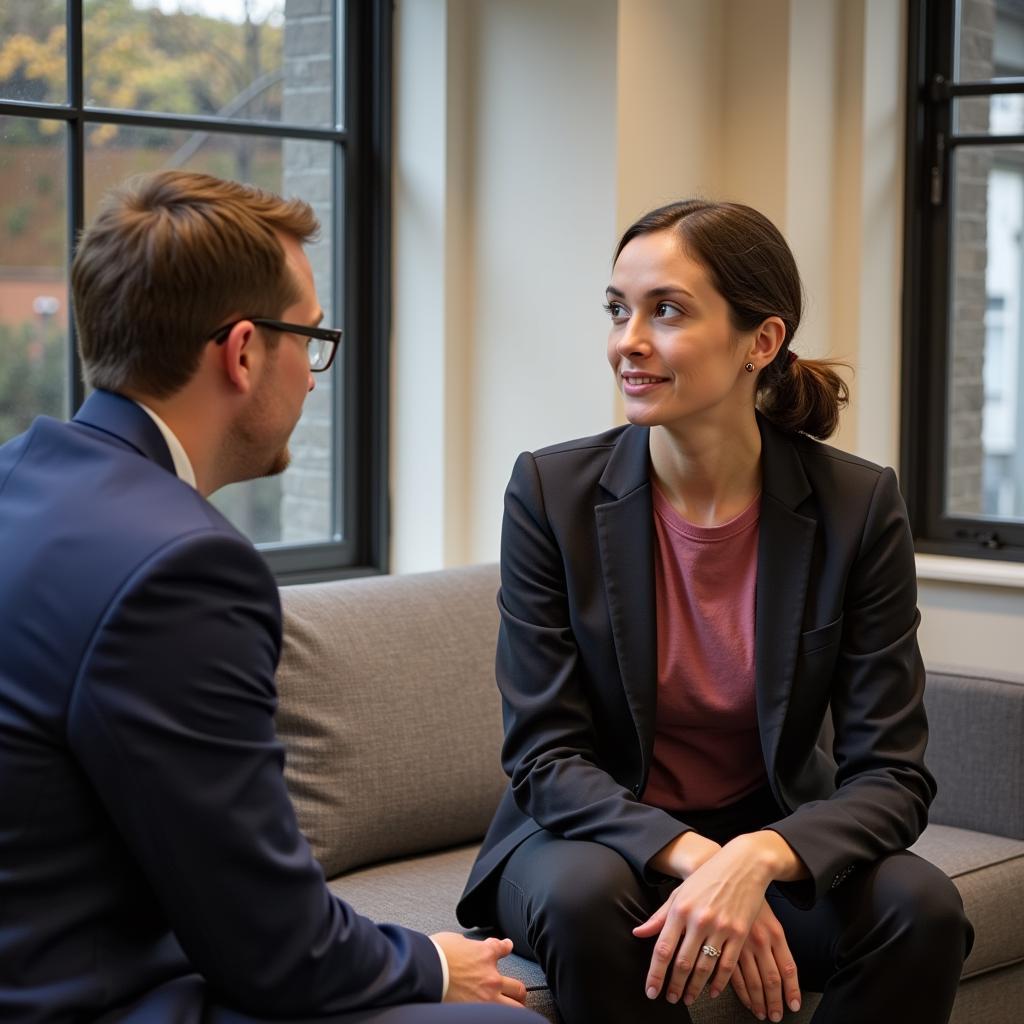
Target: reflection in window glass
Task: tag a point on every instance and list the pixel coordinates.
(298, 506)
(33, 51)
(252, 60)
(33, 280)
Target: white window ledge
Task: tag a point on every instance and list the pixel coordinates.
(981, 572)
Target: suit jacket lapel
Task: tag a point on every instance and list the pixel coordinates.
(122, 418)
(626, 539)
(785, 548)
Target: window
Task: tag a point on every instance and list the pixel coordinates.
(963, 356)
(292, 95)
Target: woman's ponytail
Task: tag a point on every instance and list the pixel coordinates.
(804, 395)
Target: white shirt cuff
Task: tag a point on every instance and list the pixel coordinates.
(444, 967)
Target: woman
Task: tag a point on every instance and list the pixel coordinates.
(688, 605)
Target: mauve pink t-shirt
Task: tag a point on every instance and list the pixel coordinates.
(707, 752)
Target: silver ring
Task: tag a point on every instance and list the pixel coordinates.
(710, 951)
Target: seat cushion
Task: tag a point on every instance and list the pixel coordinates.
(421, 893)
(989, 872)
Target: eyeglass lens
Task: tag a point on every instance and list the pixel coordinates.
(319, 353)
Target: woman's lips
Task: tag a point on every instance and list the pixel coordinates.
(640, 384)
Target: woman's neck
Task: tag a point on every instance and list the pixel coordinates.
(710, 472)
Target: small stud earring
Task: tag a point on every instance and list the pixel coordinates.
(749, 367)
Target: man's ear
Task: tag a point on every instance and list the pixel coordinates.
(240, 358)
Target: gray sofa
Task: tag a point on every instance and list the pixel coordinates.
(392, 723)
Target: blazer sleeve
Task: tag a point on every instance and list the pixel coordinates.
(172, 719)
(883, 789)
(549, 749)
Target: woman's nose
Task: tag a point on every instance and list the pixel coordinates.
(633, 340)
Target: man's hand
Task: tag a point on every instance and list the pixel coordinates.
(473, 975)
(766, 974)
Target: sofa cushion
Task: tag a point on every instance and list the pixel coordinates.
(976, 750)
(389, 713)
(989, 872)
(421, 893)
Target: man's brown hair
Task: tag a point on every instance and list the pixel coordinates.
(170, 257)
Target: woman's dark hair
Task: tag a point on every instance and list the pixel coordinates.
(751, 266)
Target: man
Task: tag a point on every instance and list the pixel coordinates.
(151, 867)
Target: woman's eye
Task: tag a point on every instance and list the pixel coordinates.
(664, 309)
(615, 310)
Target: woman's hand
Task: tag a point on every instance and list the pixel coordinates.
(766, 973)
(715, 906)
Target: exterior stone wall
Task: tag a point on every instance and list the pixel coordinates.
(307, 488)
(970, 167)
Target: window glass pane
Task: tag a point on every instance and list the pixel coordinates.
(33, 55)
(33, 280)
(985, 458)
(991, 115)
(251, 60)
(298, 506)
(991, 46)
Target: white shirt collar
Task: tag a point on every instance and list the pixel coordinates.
(182, 465)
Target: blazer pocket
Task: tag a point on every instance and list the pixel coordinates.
(824, 636)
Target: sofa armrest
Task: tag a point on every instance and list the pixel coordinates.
(976, 750)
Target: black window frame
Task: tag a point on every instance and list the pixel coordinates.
(361, 231)
(931, 143)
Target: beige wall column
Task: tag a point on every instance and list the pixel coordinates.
(432, 284)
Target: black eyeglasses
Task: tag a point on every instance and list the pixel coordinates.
(321, 347)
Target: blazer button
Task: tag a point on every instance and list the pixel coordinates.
(636, 789)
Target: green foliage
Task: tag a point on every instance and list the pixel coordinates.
(31, 374)
(141, 60)
(17, 219)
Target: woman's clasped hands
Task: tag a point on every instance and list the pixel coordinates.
(720, 906)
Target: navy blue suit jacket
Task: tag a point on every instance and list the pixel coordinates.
(835, 631)
(150, 859)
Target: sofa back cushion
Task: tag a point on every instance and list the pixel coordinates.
(390, 714)
(976, 749)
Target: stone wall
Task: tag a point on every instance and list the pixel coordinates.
(306, 499)
(970, 167)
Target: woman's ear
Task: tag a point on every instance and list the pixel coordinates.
(767, 340)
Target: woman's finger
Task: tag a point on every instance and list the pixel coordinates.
(739, 986)
(790, 978)
(753, 984)
(771, 979)
(661, 958)
(682, 967)
(718, 965)
(655, 922)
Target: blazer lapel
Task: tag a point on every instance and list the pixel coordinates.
(785, 548)
(626, 539)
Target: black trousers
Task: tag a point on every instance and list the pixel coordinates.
(886, 945)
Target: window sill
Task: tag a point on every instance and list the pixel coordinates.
(981, 572)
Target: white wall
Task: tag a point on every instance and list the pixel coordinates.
(525, 209)
(530, 132)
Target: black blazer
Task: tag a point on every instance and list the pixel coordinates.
(836, 623)
(150, 860)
